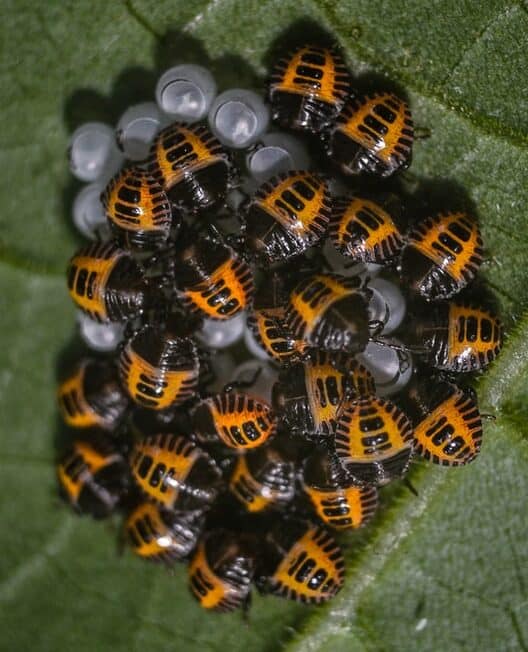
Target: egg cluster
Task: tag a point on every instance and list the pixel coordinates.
(276, 337)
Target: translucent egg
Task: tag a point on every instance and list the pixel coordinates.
(88, 212)
(93, 152)
(387, 305)
(391, 367)
(99, 337)
(137, 128)
(221, 334)
(238, 118)
(267, 377)
(186, 92)
(276, 152)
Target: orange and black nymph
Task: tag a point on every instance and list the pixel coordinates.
(367, 230)
(266, 320)
(158, 368)
(93, 476)
(263, 479)
(107, 284)
(221, 571)
(91, 396)
(287, 214)
(191, 166)
(161, 535)
(174, 472)
(308, 88)
(374, 134)
(309, 393)
(302, 562)
(329, 311)
(442, 255)
(458, 335)
(337, 501)
(237, 419)
(447, 422)
(373, 440)
(213, 281)
(138, 209)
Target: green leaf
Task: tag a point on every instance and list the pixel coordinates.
(446, 570)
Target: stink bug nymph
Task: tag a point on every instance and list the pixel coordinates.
(161, 535)
(302, 562)
(221, 571)
(329, 311)
(367, 230)
(442, 255)
(93, 476)
(458, 335)
(373, 440)
(238, 420)
(174, 472)
(138, 209)
(447, 422)
(308, 88)
(373, 134)
(92, 397)
(158, 368)
(213, 280)
(337, 501)
(107, 284)
(191, 166)
(287, 214)
(263, 479)
(266, 320)
(309, 393)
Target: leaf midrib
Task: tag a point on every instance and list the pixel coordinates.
(492, 390)
(395, 527)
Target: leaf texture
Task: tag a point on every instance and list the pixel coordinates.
(444, 570)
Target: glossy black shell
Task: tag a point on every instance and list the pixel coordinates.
(158, 368)
(100, 492)
(191, 166)
(295, 395)
(267, 479)
(99, 390)
(221, 571)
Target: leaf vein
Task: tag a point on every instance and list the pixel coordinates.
(319, 627)
(478, 597)
(140, 19)
(194, 22)
(472, 43)
(21, 574)
(517, 630)
(518, 567)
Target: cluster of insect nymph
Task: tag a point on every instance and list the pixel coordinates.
(271, 343)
